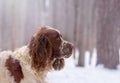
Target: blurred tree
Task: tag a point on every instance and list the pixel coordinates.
(0, 25)
(6, 24)
(81, 32)
(75, 33)
(63, 17)
(86, 29)
(108, 33)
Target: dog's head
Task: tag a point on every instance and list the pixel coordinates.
(48, 48)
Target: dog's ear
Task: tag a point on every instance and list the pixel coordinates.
(40, 51)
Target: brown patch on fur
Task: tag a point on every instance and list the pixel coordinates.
(15, 69)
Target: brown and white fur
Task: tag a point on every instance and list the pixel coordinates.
(30, 64)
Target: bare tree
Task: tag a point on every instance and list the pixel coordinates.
(86, 24)
(108, 27)
(6, 25)
(75, 31)
(0, 25)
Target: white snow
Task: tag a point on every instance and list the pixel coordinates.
(87, 74)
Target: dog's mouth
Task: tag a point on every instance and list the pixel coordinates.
(58, 64)
(66, 51)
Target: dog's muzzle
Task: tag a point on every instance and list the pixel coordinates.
(66, 49)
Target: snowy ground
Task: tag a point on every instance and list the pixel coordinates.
(89, 74)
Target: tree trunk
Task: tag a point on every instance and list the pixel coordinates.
(75, 31)
(86, 24)
(6, 24)
(0, 25)
(108, 26)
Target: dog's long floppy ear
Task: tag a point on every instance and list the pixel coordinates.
(40, 51)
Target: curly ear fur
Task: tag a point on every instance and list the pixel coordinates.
(40, 51)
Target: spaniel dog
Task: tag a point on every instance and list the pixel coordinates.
(30, 64)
